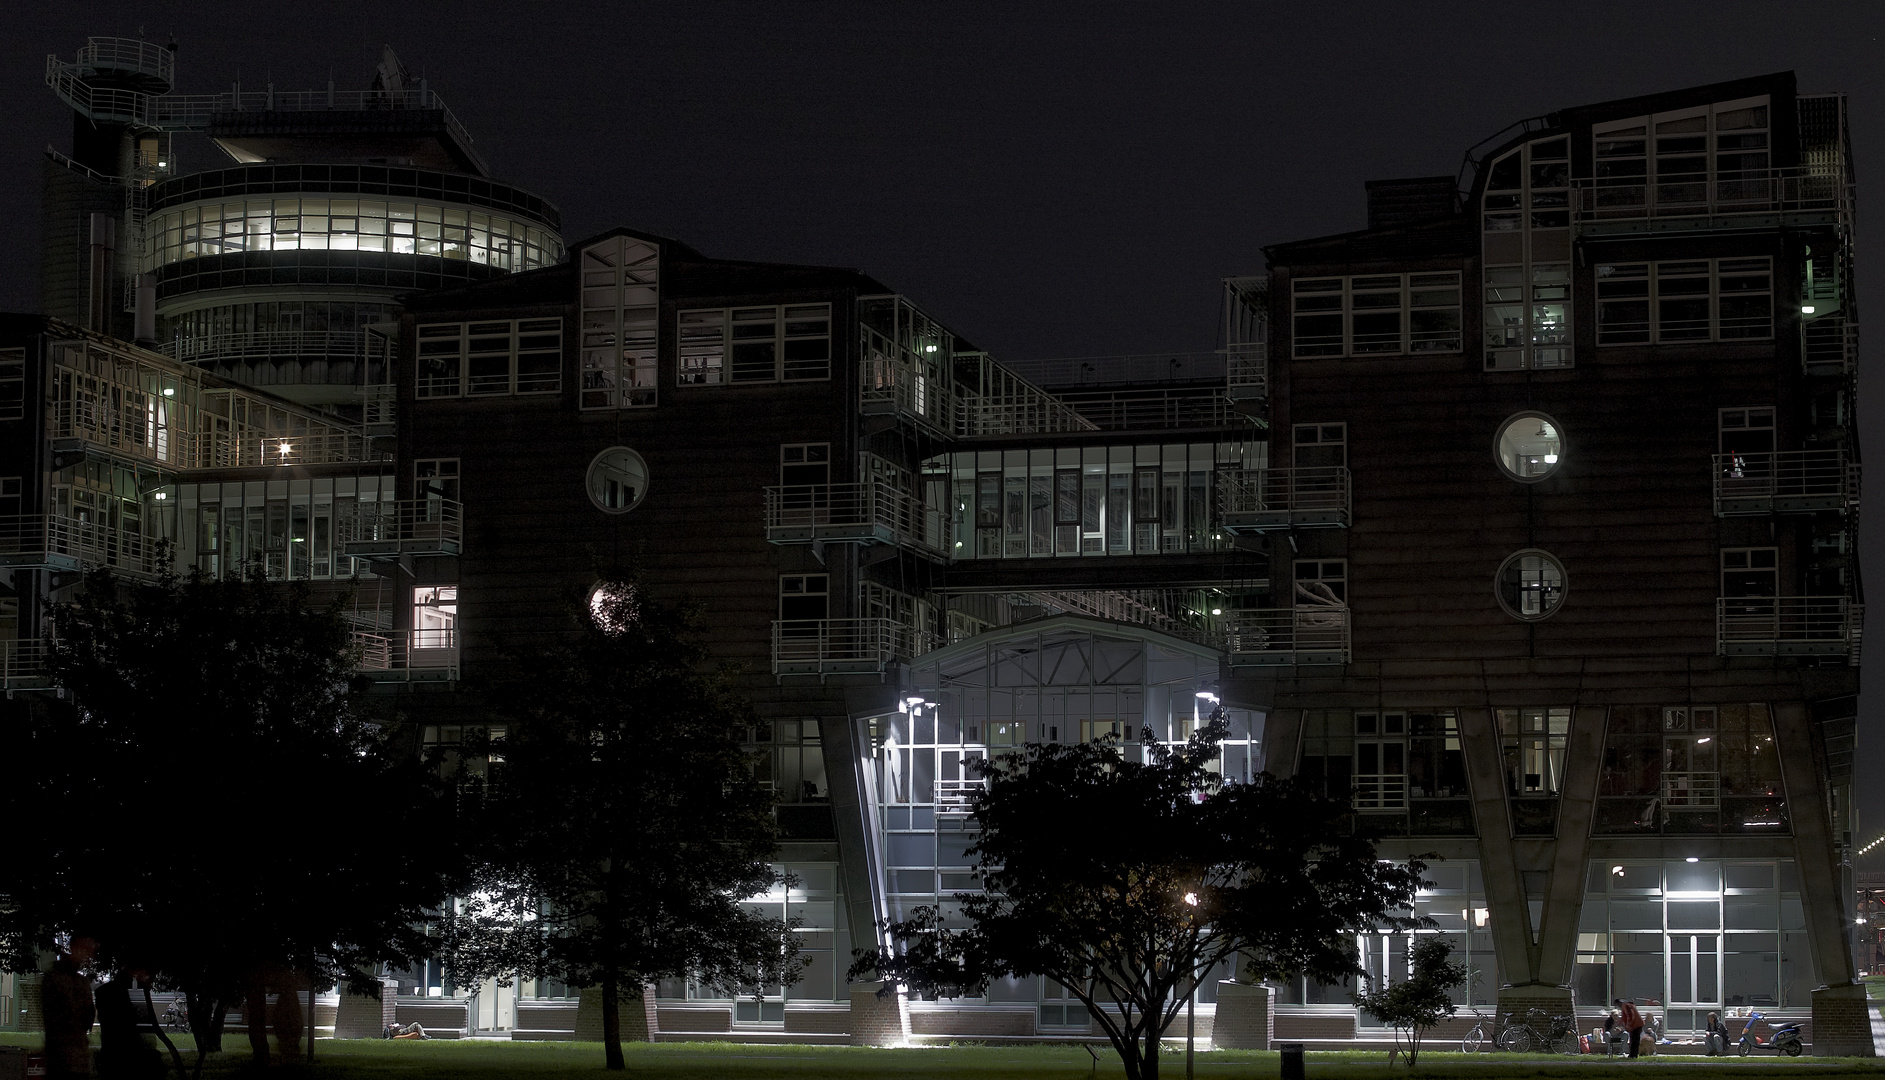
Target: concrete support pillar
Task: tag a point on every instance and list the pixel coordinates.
(878, 1020)
(1282, 739)
(847, 762)
(1246, 1017)
(636, 1014)
(362, 1016)
(1570, 856)
(1498, 862)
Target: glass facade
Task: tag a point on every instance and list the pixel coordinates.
(1694, 935)
(1690, 769)
(323, 223)
(1093, 500)
(294, 528)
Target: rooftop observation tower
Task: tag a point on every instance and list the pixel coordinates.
(274, 265)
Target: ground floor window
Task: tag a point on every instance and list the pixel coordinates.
(1693, 936)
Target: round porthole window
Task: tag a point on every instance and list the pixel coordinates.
(618, 480)
(613, 606)
(1531, 446)
(1530, 584)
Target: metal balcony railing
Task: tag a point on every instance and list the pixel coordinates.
(1829, 345)
(871, 512)
(267, 345)
(1155, 409)
(23, 664)
(1788, 626)
(1383, 791)
(1791, 480)
(407, 655)
(890, 387)
(405, 527)
(1025, 413)
(1701, 195)
(1691, 790)
(1305, 634)
(1259, 500)
(953, 797)
(379, 409)
(124, 426)
(1247, 371)
(844, 646)
(59, 542)
(216, 450)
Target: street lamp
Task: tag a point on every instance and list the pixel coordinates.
(1191, 1003)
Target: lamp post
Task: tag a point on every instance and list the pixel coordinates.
(1191, 1002)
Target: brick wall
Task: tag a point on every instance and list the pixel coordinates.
(636, 1015)
(1842, 1022)
(362, 1017)
(1246, 1017)
(1294, 1027)
(878, 1021)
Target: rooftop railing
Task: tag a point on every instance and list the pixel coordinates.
(1702, 195)
(1789, 626)
(113, 423)
(1259, 500)
(1790, 480)
(1167, 367)
(868, 512)
(844, 646)
(403, 527)
(215, 450)
(1305, 634)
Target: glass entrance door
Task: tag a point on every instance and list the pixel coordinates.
(1694, 980)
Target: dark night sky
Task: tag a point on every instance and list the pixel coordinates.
(1049, 179)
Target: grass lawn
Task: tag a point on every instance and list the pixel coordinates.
(453, 1060)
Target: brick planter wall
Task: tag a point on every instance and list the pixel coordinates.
(363, 1017)
(878, 1021)
(1842, 1022)
(1246, 1018)
(635, 1014)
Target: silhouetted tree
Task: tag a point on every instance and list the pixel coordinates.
(1186, 872)
(208, 800)
(1420, 1001)
(620, 824)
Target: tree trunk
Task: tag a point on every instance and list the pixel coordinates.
(612, 1021)
(158, 1027)
(255, 1017)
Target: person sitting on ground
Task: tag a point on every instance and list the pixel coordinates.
(409, 1031)
(1613, 1034)
(1716, 1036)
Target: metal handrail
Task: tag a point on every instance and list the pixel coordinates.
(1380, 791)
(124, 426)
(845, 644)
(403, 521)
(867, 506)
(1783, 625)
(1247, 369)
(265, 344)
(23, 662)
(955, 796)
(1139, 410)
(1691, 789)
(91, 543)
(1165, 367)
(1788, 479)
(1748, 191)
(1306, 633)
(1252, 491)
(406, 655)
(217, 450)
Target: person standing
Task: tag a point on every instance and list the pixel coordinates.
(1632, 1022)
(67, 1003)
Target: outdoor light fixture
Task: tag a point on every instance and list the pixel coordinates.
(1617, 870)
(1206, 695)
(169, 392)
(1192, 899)
(285, 448)
(1806, 309)
(1217, 611)
(1691, 859)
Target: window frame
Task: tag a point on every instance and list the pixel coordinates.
(711, 359)
(1652, 331)
(468, 334)
(1408, 285)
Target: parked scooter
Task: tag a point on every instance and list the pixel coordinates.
(1784, 1040)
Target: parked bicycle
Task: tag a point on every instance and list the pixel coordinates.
(1537, 1031)
(1481, 1034)
(177, 1017)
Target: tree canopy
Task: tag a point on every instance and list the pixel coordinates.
(210, 800)
(1170, 872)
(1422, 999)
(620, 822)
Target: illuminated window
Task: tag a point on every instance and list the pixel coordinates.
(1530, 585)
(1534, 744)
(1525, 219)
(1531, 445)
(487, 359)
(435, 617)
(617, 480)
(621, 290)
